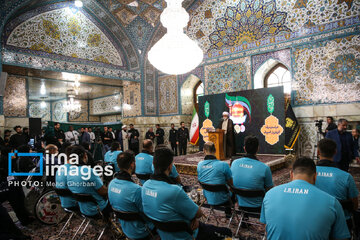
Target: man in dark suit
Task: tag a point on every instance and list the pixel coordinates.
(345, 150)
(119, 138)
(134, 139)
(59, 135)
(227, 125)
(159, 135)
(173, 138)
(182, 138)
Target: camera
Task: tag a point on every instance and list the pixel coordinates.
(318, 124)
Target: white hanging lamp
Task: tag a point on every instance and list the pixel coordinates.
(175, 53)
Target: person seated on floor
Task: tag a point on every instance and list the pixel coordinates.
(299, 210)
(125, 195)
(112, 154)
(174, 175)
(334, 181)
(144, 160)
(213, 171)
(85, 181)
(164, 201)
(249, 173)
(62, 183)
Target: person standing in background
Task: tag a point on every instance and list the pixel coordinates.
(150, 134)
(173, 139)
(18, 138)
(118, 138)
(26, 134)
(112, 133)
(346, 150)
(134, 139)
(182, 138)
(72, 136)
(331, 125)
(7, 134)
(85, 137)
(356, 137)
(59, 135)
(159, 135)
(92, 139)
(125, 138)
(106, 138)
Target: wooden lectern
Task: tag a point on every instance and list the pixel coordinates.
(217, 138)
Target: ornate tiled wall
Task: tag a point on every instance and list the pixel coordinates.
(150, 78)
(58, 113)
(15, 97)
(82, 116)
(168, 97)
(110, 118)
(104, 105)
(230, 76)
(283, 56)
(94, 118)
(327, 72)
(36, 111)
(198, 72)
(132, 97)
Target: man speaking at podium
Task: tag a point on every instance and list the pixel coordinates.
(227, 125)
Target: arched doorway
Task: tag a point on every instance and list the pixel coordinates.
(191, 89)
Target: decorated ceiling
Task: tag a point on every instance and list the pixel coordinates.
(65, 32)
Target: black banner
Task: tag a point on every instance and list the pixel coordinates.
(292, 128)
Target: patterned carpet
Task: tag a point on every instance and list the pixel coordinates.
(39, 231)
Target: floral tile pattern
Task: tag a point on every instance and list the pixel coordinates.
(132, 97)
(284, 56)
(64, 32)
(36, 111)
(247, 22)
(58, 113)
(327, 72)
(105, 105)
(214, 24)
(15, 97)
(228, 76)
(168, 97)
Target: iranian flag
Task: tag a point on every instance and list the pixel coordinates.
(194, 129)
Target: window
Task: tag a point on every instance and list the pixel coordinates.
(279, 76)
(198, 92)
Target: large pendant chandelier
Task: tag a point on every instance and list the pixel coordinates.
(72, 105)
(175, 52)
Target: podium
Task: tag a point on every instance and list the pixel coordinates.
(217, 138)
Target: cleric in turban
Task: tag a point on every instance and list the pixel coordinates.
(227, 125)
